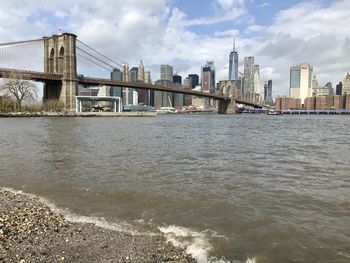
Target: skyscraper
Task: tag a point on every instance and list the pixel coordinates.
(233, 63)
(194, 80)
(268, 100)
(116, 74)
(141, 72)
(125, 78)
(208, 77)
(166, 72)
(301, 81)
(346, 84)
(248, 86)
(256, 79)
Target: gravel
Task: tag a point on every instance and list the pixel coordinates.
(31, 232)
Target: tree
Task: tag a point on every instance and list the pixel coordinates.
(19, 88)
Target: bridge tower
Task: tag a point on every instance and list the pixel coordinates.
(60, 58)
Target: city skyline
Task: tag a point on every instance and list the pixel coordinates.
(185, 35)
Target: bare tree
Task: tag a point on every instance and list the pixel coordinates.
(19, 88)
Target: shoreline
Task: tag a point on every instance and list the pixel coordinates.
(30, 231)
(74, 114)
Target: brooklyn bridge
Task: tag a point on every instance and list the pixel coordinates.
(60, 71)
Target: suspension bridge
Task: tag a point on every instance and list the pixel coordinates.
(55, 62)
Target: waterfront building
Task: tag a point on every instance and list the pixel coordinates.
(248, 84)
(233, 63)
(346, 84)
(116, 74)
(285, 103)
(301, 81)
(208, 77)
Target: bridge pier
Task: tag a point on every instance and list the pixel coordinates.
(60, 58)
(227, 106)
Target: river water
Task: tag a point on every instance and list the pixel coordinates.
(230, 188)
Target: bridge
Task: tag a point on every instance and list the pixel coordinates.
(61, 80)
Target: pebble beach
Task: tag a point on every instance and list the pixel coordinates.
(32, 232)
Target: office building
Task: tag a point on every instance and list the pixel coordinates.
(125, 78)
(194, 80)
(268, 99)
(166, 72)
(248, 84)
(301, 81)
(208, 77)
(233, 63)
(346, 84)
(178, 99)
(116, 74)
(256, 79)
(339, 89)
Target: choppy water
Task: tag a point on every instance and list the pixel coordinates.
(267, 188)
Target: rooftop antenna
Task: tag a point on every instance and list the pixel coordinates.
(234, 44)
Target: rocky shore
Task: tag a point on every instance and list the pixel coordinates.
(31, 232)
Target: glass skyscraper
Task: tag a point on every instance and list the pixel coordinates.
(233, 63)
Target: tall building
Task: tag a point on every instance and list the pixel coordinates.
(346, 84)
(161, 98)
(194, 80)
(208, 77)
(177, 79)
(143, 94)
(141, 72)
(265, 90)
(148, 77)
(178, 99)
(132, 94)
(301, 81)
(339, 89)
(125, 78)
(256, 79)
(166, 72)
(269, 100)
(233, 63)
(248, 84)
(116, 74)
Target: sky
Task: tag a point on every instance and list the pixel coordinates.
(187, 33)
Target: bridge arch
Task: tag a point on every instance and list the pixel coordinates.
(52, 61)
(60, 61)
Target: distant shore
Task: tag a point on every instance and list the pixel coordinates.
(74, 114)
(31, 232)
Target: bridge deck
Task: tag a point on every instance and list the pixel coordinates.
(87, 81)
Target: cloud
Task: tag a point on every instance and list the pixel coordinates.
(158, 33)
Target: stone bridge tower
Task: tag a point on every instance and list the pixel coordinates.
(60, 58)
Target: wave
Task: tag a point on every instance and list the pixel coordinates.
(195, 243)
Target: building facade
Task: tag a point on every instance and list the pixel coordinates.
(248, 84)
(166, 72)
(346, 84)
(208, 77)
(301, 81)
(256, 79)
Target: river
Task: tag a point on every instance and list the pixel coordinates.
(230, 188)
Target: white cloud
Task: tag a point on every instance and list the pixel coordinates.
(153, 31)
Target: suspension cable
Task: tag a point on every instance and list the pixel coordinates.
(94, 57)
(100, 53)
(90, 60)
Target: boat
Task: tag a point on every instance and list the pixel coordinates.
(166, 110)
(273, 112)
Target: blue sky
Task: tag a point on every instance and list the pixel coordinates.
(187, 33)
